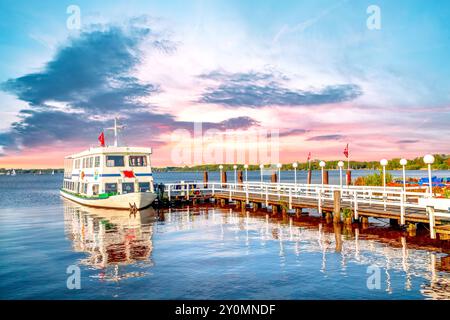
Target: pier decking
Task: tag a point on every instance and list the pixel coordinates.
(347, 203)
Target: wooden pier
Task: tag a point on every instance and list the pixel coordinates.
(347, 204)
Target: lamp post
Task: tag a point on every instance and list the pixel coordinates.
(279, 172)
(384, 163)
(246, 167)
(295, 165)
(403, 163)
(322, 164)
(235, 177)
(341, 165)
(429, 160)
(261, 168)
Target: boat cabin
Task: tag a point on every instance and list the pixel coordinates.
(108, 170)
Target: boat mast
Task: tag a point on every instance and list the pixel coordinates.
(116, 129)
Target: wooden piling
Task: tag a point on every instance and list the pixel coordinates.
(274, 209)
(240, 178)
(365, 222)
(349, 177)
(223, 178)
(309, 176)
(205, 179)
(284, 213)
(412, 229)
(337, 205)
(274, 178)
(325, 176)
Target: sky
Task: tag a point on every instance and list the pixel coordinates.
(316, 75)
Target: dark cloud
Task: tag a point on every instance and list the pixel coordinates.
(44, 127)
(91, 72)
(236, 123)
(255, 89)
(92, 75)
(293, 132)
(407, 141)
(40, 127)
(327, 137)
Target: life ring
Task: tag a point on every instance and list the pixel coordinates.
(82, 175)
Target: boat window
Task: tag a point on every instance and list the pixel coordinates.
(144, 186)
(127, 187)
(114, 161)
(91, 162)
(138, 161)
(84, 163)
(97, 161)
(110, 187)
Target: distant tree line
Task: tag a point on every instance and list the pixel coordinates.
(31, 171)
(441, 162)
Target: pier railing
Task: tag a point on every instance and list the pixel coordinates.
(356, 198)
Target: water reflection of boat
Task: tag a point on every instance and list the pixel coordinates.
(112, 239)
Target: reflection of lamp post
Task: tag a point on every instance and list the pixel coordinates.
(279, 172)
(403, 162)
(246, 167)
(295, 165)
(235, 179)
(429, 159)
(322, 164)
(341, 165)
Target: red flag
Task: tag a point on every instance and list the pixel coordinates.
(346, 151)
(101, 138)
(128, 174)
(309, 156)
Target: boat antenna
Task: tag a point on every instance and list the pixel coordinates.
(116, 129)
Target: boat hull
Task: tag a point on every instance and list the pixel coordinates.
(121, 201)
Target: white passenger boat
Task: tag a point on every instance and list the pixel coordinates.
(110, 176)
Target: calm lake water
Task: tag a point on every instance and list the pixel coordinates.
(203, 252)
